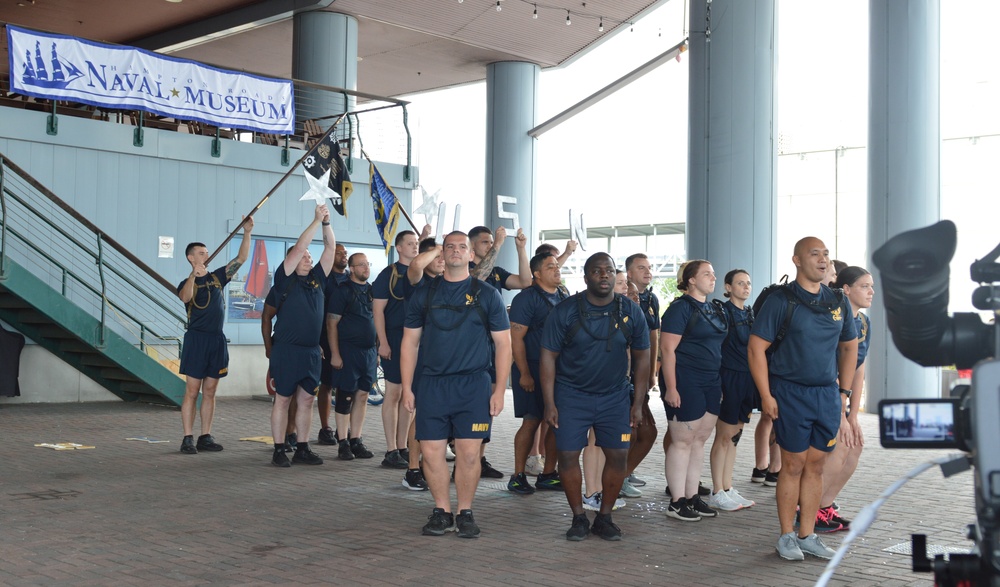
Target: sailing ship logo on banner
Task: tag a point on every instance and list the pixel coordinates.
(63, 72)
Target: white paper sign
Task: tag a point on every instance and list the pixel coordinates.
(166, 248)
(577, 231)
(501, 213)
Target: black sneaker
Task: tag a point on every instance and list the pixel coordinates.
(548, 482)
(580, 528)
(519, 484)
(771, 479)
(703, 491)
(438, 523)
(187, 446)
(758, 475)
(360, 450)
(394, 460)
(680, 510)
(467, 527)
(667, 490)
(701, 508)
(291, 441)
(344, 452)
(280, 459)
(605, 528)
(414, 480)
(405, 453)
(487, 470)
(206, 442)
(327, 437)
(304, 456)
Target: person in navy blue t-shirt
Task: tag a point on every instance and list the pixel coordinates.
(205, 358)
(528, 312)
(586, 348)
(798, 388)
(353, 356)
(296, 357)
(340, 274)
(691, 335)
(389, 310)
(739, 394)
(640, 273)
(859, 287)
(456, 397)
(485, 249)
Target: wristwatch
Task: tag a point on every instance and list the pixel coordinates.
(846, 392)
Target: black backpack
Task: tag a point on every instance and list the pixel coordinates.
(620, 321)
(793, 301)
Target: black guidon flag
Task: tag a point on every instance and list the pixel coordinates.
(327, 157)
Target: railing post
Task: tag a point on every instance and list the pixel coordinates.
(360, 142)
(285, 158)
(3, 225)
(216, 144)
(409, 144)
(142, 337)
(104, 293)
(350, 140)
(64, 282)
(137, 135)
(51, 122)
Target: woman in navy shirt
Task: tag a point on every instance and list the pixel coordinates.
(691, 336)
(858, 286)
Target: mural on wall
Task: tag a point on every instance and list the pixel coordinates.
(249, 287)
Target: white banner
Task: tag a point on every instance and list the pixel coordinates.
(109, 76)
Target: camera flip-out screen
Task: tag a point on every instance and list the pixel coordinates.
(918, 423)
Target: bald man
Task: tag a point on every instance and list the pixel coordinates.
(797, 376)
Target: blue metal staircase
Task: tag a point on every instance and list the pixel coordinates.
(76, 292)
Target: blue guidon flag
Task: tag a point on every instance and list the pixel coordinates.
(386, 208)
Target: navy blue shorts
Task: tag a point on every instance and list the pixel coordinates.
(204, 355)
(527, 404)
(390, 367)
(295, 366)
(739, 395)
(454, 406)
(696, 400)
(606, 413)
(807, 416)
(358, 372)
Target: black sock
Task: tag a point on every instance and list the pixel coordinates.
(302, 447)
(279, 446)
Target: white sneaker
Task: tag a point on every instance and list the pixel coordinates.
(722, 501)
(735, 496)
(635, 481)
(449, 455)
(535, 465)
(593, 503)
(628, 490)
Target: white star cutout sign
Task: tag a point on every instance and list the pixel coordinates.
(319, 188)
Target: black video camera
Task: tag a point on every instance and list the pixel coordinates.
(914, 275)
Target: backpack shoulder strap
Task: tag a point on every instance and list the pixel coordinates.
(791, 301)
(571, 333)
(620, 318)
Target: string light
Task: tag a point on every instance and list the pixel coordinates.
(600, 27)
(568, 21)
(535, 13)
(535, 6)
(498, 6)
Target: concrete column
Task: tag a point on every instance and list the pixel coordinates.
(324, 51)
(511, 109)
(904, 164)
(732, 163)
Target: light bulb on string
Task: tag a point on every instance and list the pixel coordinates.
(600, 26)
(535, 13)
(568, 21)
(498, 6)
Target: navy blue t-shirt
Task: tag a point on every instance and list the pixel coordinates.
(808, 353)
(734, 349)
(454, 340)
(206, 310)
(650, 305)
(530, 307)
(699, 352)
(587, 364)
(498, 278)
(300, 316)
(353, 303)
(392, 284)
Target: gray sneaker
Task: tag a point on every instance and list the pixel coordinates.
(788, 547)
(628, 491)
(813, 545)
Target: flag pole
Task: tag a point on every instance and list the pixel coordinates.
(401, 209)
(263, 200)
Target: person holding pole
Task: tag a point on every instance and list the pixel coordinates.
(205, 357)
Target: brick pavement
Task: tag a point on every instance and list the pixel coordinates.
(132, 513)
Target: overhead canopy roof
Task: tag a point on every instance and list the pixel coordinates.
(404, 46)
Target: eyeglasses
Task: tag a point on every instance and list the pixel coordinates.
(361, 265)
